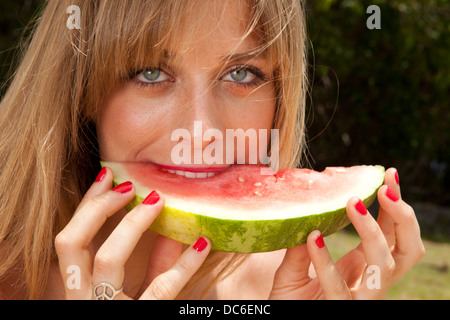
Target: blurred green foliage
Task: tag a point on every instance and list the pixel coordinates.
(382, 96)
(15, 16)
(377, 96)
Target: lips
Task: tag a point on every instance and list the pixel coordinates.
(193, 172)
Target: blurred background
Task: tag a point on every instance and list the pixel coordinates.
(382, 96)
(379, 96)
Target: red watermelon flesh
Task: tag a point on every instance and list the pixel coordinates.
(243, 211)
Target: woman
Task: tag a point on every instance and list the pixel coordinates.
(115, 89)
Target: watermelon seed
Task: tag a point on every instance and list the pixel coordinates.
(241, 179)
(257, 184)
(258, 193)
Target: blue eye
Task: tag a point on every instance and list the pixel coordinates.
(240, 75)
(245, 75)
(152, 75)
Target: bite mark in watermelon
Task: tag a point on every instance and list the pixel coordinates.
(240, 210)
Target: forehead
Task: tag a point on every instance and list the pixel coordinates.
(165, 29)
(220, 28)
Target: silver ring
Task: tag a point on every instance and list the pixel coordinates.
(105, 291)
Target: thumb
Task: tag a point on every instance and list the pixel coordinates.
(164, 254)
(293, 271)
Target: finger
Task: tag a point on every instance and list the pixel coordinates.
(408, 246)
(75, 268)
(102, 183)
(110, 260)
(385, 220)
(72, 243)
(373, 242)
(82, 228)
(351, 265)
(292, 273)
(330, 279)
(167, 285)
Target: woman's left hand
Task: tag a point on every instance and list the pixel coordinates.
(390, 246)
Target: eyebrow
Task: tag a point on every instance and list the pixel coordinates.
(245, 55)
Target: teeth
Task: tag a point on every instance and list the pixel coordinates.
(193, 175)
(201, 175)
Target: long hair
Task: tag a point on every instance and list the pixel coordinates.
(48, 146)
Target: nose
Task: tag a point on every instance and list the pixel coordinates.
(202, 118)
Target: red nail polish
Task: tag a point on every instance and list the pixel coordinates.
(361, 208)
(123, 187)
(101, 175)
(396, 177)
(391, 194)
(200, 244)
(319, 242)
(152, 198)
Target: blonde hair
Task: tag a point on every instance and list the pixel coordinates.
(48, 149)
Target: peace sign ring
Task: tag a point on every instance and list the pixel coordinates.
(105, 291)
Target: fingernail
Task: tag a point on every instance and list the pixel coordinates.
(152, 198)
(396, 177)
(361, 208)
(319, 242)
(200, 244)
(391, 194)
(101, 175)
(123, 187)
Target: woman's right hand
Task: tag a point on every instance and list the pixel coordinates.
(107, 265)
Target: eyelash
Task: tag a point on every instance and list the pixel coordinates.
(261, 77)
(143, 85)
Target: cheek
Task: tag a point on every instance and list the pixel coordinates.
(258, 110)
(125, 125)
(252, 114)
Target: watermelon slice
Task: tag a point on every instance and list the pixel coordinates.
(240, 210)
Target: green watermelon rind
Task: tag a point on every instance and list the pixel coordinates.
(246, 236)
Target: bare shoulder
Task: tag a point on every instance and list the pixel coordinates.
(254, 279)
(8, 291)
(2, 296)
